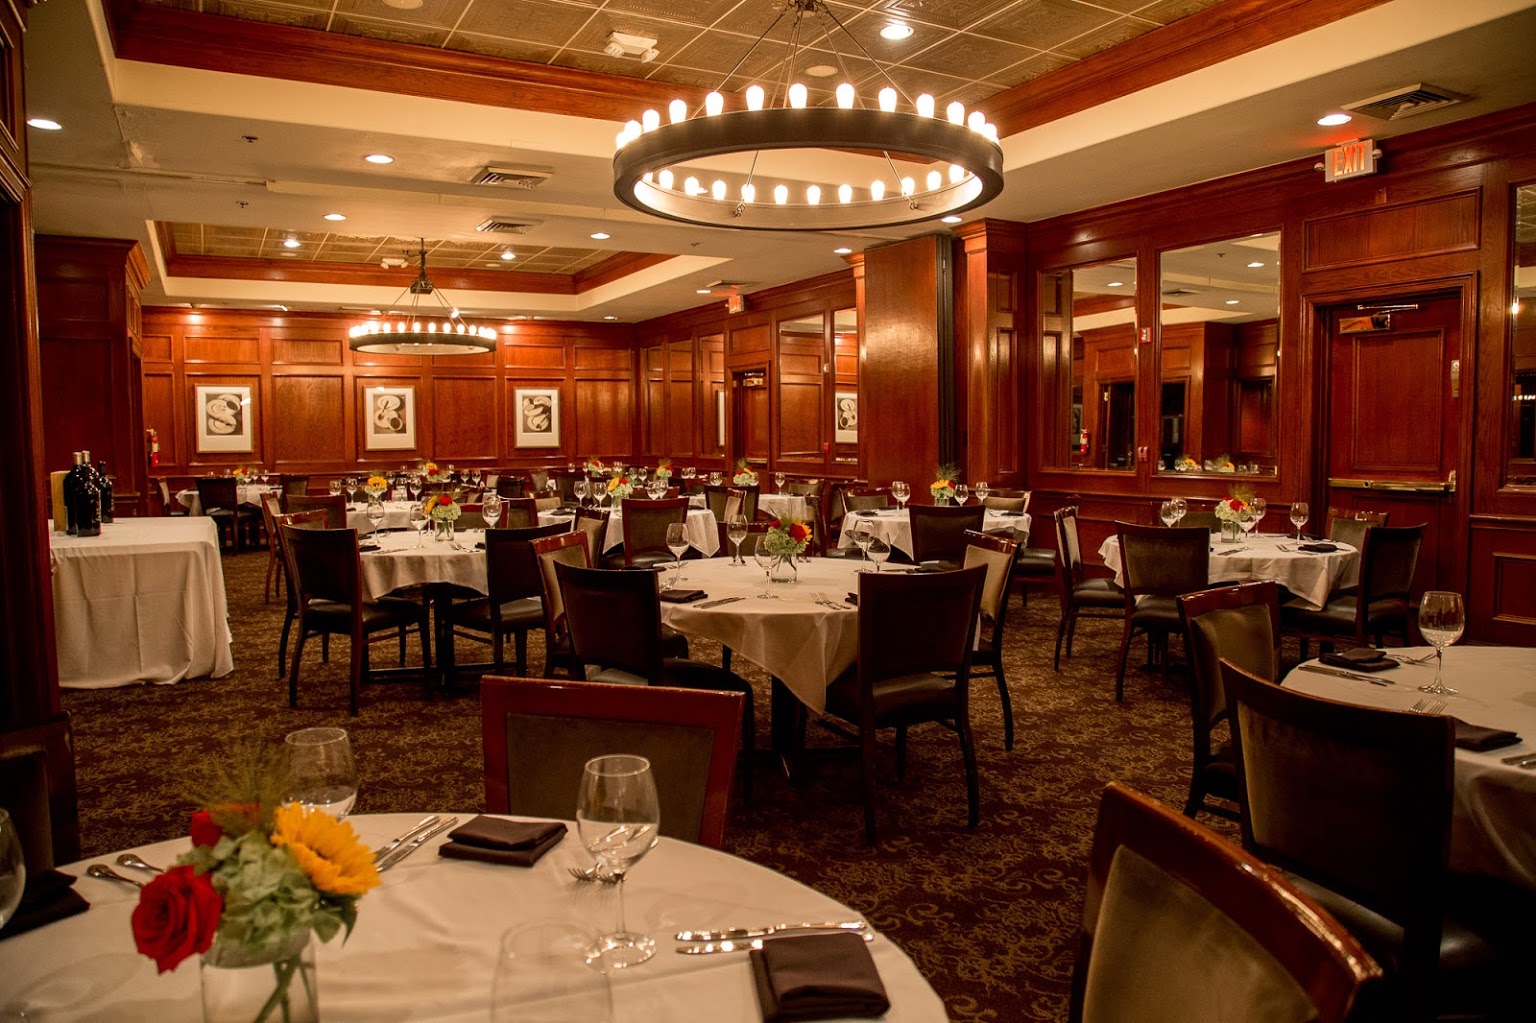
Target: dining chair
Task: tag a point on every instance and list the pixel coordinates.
(1206, 520)
(314, 518)
(867, 499)
(220, 498)
(513, 602)
(570, 549)
(997, 555)
(1180, 924)
(614, 623)
(327, 571)
(913, 666)
(755, 533)
(544, 504)
(537, 480)
(1354, 803)
(718, 499)
(735, 504)
(270, 510)
(539, 734)
(510, 485)
(645, 525)
(471, 516)
(1242, 624)
(831, 507)
(938, 533)
(1158, 564)
(1348, 525)
(592, 524)
(293, 483)
(1013, 501)
(37, 780)
(334, 506)
(519, 513)
(1034, 568)
(1376, 605)
(810, 486)
(1081, 596)
(168, 503)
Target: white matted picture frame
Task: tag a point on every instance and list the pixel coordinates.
(389, 417)
(536, 417)
(224, 416)
(845, 417)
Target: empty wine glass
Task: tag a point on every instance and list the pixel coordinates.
(474, 478)
(878, 552)
(1260, 506)
(321, 772)
(490, 509)
(778, 479)
(657, 488)
(619, 818)
(579, 488)
(1168, 512)
(765, 562)
(715, 479)
(1246, 520)
(863, 536)
(1441, 621)
(736, 531)
(1182, 507)
(961, 493)
(543, 976)
(334, 488)
(677, 543)
(1299, 515)
(418, 520)
(13, 868)
(981, 488)
(902, 493)
(375, 515)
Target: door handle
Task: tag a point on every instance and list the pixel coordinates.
(1396, 486)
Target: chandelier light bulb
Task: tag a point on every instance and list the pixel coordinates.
(956, 174)
(845, 96)
(813, 194)
(749, 192)
(990, 131)
(664, 179)
(877, 189)
(718, 190)
(677, 110)
(845, 193)
(908, 186)
(647, 176)
(691, 185)
(714, 104)
(925, 105)
(781, 194)
(888, 100)
(632, 129)
(976, 121)
(650, 120)
(955, 112)
(935, 179)
(620, 139)
(797, 95)
(754, 97)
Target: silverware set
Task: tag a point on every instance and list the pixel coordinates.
(593, 873)
(746, 939)
(1524, 761)
(720, 602)
(1428, 705)
(400, 848)
(1318, 669)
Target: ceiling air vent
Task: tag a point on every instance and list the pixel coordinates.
(1408, 101)
(511, 177)
(495, 226)
(1179, 293)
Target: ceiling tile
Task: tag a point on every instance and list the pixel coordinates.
(390, 31)
(700, 13)
(1167, 11)
(534, 21)
(947, 13)
(1031, 69)
(506, 49)
(1045, 24)
(1102, 39)
(277, 14)
(977, 56)
(437, 14)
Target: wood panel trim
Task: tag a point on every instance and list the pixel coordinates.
(616, 267)
(1459, 210)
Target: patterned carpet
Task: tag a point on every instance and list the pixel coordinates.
(990, 916)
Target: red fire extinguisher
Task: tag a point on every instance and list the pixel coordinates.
(153, 440)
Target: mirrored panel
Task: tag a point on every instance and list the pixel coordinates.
(1218, 357)
(1088, 323)
(845, 396)
(802, 355)
(1521, 471)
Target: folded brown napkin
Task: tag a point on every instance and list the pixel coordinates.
(817, 976)
(367, 548)
(1318, 548)
(1360, 658)
(513, 843)
(682, 596)
(1476, 737)
(46, 898)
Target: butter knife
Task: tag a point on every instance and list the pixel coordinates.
(1336, 673)
(722, 600)
(749, 945)
(738, 933)
(415, 843)
(393, 844)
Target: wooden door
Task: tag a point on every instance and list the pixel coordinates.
(749, 402)
(1395, 421)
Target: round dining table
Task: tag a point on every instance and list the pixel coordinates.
(1493, 813)
(248, 493)
(700, 529)
(426, 939)
(1310, 575)
(894, 526)
(397, 515)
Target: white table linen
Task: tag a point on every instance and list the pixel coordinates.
(700, 528)
(785, 506)
(1493, 815)
(894, 526)
(401, 562)
(426, 939)
(802, 643)
(1260, 556)
(142, 602)
(249, 493)
(397, 514)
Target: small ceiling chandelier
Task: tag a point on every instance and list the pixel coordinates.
(728, 169)
(412, 331)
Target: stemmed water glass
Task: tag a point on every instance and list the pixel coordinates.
(13, 868)
(490, 509)
(765, 562)
(878, 551)
(1299, 515)
(579, 488)
(1181, 506)
(1259, 506)
(863, 536)
(902, 493)
(333, 488)
(1168, 512)
(321, 772)
(778, 479)
(1246, 520)
(543, 976)
(375, 515)
(982, 490)
(657, 488)
(619, 818)
(474, 478)
(418, 520)
(736, 531)
(677, 543)
(961, 493)
(1441, 621)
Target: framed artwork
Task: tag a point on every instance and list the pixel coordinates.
(845, 417)
(537, 412)
(224, 417)
(389, 418)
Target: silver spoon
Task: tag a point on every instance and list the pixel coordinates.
(106, 873)
(130, 860)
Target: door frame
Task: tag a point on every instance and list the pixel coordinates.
(1315, 307)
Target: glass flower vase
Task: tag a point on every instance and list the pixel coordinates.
(941, 499)
(442, 529)
(784, 570)
(239, 987)
(1231, 532)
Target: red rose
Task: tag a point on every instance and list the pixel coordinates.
(177, 915)
(799, 533)
(204, 830)
(444, 501)
(775, 524)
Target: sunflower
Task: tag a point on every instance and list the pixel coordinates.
(327, 850)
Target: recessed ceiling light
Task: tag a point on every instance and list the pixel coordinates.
(1254, 266)
(1231, 301)
(403, 5)
(842, 250)
(701, 291)
(610, 317)
(335, 216)
(1116, 284)
(290, 243)
(44, 123)
(896, 31)
(821, 71)
(951, 219)
(379, 158)
(601, 236)
(1333, 120)
(508, 254)
(288, 254)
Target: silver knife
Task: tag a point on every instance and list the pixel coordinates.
(1336, 673)
(722, 600)
(737, 933)
(1517, 758)
(749, 945)
(415, 843)
(393, 844)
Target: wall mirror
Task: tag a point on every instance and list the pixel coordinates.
(1088, 325)
(712, 416)
(1218, 356)
(802, 379)
(1521, 471)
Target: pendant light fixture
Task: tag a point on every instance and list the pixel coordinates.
(407, 329)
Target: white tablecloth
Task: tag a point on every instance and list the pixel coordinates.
(1268, 556)
(396, 515)
(703, 535)
(249, 493)
(142, 602)
(426, 940)
(802, 643)
(780, 506)
(409, 559)
(1493, 827)
(894, 526)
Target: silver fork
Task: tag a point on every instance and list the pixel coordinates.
(1425, 659)
(1428, 705)
(592, 873)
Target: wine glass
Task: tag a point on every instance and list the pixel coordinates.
(490, 509)
(863, 536)
(579, 489)
(543, 976)
(1259, 506)
(736, 531)
(657, 488)
(961, 493)
(1441, 621)
(778, 480)
(619, 818)
(981, 488)
(1246, 520)
(878, 551)
(334, 488)
(677, 543)
(1182, 507)
(13, 868)
(715, 479)
(418, 520)
(765, 562)
(1168, 512)
(321, 772)
(376, 517)
(1299, 515)
(902, 493)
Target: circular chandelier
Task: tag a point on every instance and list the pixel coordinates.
(407, 331)
(919, 164)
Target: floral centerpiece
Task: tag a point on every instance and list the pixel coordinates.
(942, 489)
(376, 486)
(744, 477)
(663, 471)
(619, 487)
(243, 474)
(1231, 510)
(785, 540)
(433, 473)
(259, 878)
(1186, 464)
(594, 467)
(442, 509)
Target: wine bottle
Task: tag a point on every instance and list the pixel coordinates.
(87, 499)
(71, 483)
(105, 484)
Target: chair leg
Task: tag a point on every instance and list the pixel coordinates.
(499, 652)
(901, 753)
(1125, 651)
(282, 645)
(725, 657)
(426, 657)
(325, 647)
(972, 784)
(293, 670)
(1162, 643)
(520, 640)
(402, 646)
(1007, 702)
(748, 744)
(867, 762)
(1061, 633)
(1196, 797)
(1071, 631)
(357, 665)
(266, 589)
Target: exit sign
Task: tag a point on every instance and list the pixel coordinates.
(1350, 160)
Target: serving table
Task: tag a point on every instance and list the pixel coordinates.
(1259, 556)
(1493, 816)
(249, 493)
(142, 602)
(703, 535)
(426, 939)
(894, 526)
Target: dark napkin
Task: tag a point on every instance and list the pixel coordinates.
(672, 596)
(852, 598)
(817, 976)
(513, 843)
(1480, 739)
(1360, 658)
(1318, 548)
(368, 548)
(46, 898)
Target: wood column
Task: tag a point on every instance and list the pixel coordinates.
(989, 364)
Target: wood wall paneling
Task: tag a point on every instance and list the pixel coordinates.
(310, 417)
(1501, 604)
(1421, 228)
(900, 384)
(464, 418)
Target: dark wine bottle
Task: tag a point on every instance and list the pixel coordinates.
(71, 483)
(87, 499)
(105, 483)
